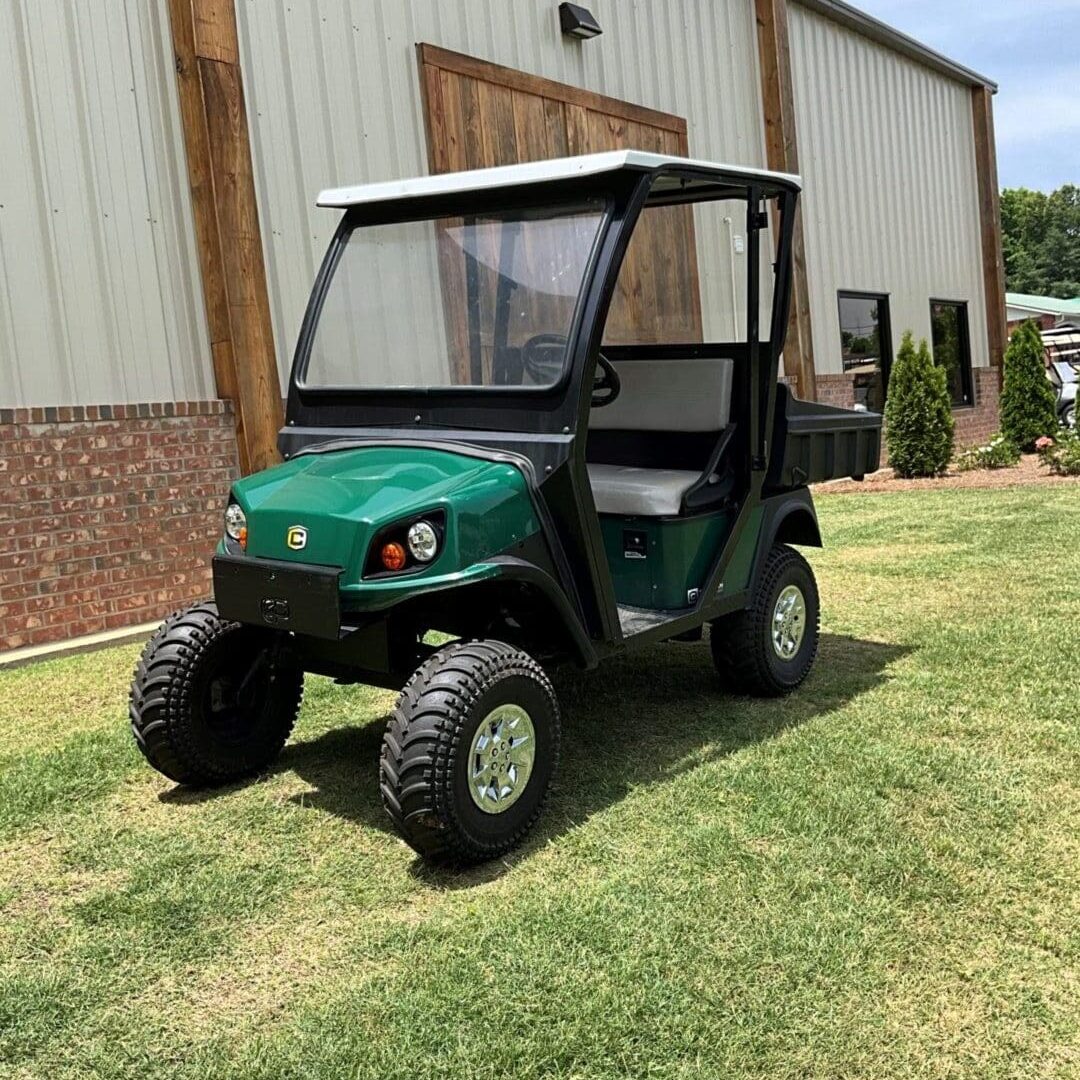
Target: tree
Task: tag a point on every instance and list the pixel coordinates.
(1041, 241)
(1027, 399)
(918, 414)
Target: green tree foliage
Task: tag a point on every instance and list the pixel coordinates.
(918, 416)
(1027, 398)
(1041, 241)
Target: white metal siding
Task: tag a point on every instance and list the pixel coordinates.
(890, 202)
(100, 299)
(334, 97)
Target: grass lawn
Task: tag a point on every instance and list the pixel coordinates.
(878, 877)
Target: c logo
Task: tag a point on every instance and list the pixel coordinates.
(296, 537)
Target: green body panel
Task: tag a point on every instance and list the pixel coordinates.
(679, 552)
(737, 574)
(344, 497)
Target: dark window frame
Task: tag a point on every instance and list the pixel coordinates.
(884, 300)
(967, 374)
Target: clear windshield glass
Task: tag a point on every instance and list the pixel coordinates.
(455, 302)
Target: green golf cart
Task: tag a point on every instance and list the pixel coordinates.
(514, 439)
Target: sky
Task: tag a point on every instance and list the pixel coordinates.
(1031, 49)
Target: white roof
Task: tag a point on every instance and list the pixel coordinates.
(530, 173)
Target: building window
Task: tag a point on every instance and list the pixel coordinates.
(866, 346)
(952, 348)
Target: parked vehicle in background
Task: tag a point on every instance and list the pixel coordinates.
(1063, 368)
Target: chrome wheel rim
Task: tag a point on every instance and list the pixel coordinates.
(788, 622)
(501, 758)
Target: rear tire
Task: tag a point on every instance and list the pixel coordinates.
(768, 649)
(470, 752)
(213, 700)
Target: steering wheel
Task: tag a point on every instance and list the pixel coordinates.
(605, 388)
(543, 357)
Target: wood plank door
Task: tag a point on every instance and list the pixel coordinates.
(479, 115)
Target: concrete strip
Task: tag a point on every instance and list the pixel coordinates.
(125, 635)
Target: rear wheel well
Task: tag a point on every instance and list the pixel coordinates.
(800, 527)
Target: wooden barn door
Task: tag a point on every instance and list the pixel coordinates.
(479, 115)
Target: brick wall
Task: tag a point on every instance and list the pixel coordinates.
(973, 425)
(108, 514)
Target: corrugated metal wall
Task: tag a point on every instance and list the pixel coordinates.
(100, 299)
(886, 150)
(333, 95)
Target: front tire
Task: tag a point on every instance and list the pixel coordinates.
(768, 649)
(213, 700)
(470, 752)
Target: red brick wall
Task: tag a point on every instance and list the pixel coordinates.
(108, 514)
(973, 425)
(1044, 322)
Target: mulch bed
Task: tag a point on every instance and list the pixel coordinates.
(1029, 471)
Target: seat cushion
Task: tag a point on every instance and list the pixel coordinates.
(635, 492)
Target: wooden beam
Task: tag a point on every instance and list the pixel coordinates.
(982, 103)
(222, 181)
(782, 155)
(526, 83)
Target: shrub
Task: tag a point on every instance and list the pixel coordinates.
(918, 415)
(1063, 454)
(998, 453)
(1027, 398)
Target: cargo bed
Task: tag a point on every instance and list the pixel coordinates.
(813, 442)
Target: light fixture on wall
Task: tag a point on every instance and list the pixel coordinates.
(578, 21)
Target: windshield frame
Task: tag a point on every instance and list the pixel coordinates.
(432, 210)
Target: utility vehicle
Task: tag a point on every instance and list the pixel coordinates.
(495, 461)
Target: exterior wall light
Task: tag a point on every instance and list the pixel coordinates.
(578, 21)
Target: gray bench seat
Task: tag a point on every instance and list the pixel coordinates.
(637, 492)
(659, 396)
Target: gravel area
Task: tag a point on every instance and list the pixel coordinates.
(1029, 471)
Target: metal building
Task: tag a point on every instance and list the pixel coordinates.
(158, 233)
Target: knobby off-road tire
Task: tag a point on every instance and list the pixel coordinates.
(213, 700)
(434, 751)
(744, 646)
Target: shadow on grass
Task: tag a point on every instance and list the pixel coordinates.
(638, 720)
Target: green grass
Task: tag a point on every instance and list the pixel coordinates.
(877, 877)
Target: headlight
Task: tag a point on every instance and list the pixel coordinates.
(236, 522)
(423, 541)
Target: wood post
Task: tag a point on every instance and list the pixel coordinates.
(227, 222)
(782, 155)
(982, 103)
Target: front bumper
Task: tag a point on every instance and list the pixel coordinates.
(299, 597)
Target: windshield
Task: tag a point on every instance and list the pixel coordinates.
(485, 300)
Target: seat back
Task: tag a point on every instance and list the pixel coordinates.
(669, 395)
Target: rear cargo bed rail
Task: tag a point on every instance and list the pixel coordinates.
(813, 442)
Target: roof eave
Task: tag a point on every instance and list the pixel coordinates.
(889, 36)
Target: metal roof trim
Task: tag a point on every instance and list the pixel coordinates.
(887, 35)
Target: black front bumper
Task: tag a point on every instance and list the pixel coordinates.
(280, 595)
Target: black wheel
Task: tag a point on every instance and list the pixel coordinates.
(769, 648)
(213, 700)
(470, 752)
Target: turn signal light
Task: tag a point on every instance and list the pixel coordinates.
(393, 556)
(243, 538)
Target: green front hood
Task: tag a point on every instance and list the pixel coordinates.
(344, 497)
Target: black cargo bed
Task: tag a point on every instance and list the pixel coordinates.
(814, 442)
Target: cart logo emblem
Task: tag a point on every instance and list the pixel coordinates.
(296, 537)
(274, 610)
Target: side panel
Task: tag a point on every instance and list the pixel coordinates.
(100, 298)
(887, 153)
(655, 563)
